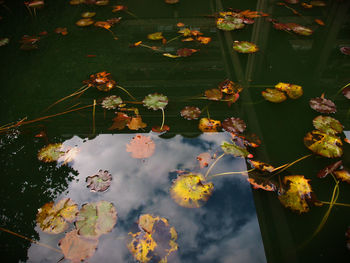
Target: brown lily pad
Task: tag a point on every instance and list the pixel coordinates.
(190, 113)
(99, 182)
(235, 125)
(322, 105)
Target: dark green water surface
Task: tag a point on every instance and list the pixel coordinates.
(238, 223)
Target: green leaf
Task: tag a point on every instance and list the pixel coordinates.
(234, 149)
(51, 152)
(327, 125)
(111, 102)
(155, 101)
(229, 23)
(324, 144)
(245, 47)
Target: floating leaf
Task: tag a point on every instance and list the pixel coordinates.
(77, 248)
(245, 47)
(155, 36)
(99, 182)
(213, 94)
(84, 22)
(232, 98)
(136, 123)
(171, 1)
(155, 241)
(95, 219)
(320, 22)
(118, 8)
(235, 125)
(229, 87)
(203, 40)
(185, 52)
(261, 166)
(111, 102)
(101, 80)
(159, 130)
(322, 105)
(69, 155)
(88, 14)
(141, 147)
(329, 169)
(204, 159)
(261, 180)
(4, 41)
(155, 101)
(234, 149)
(299, 29)
(323, 144)
(318, 3)
(251, 140)
(209, 125)
(191, 190)
(345, 50)
(347, 234)
(327, 125)
(343, 174)
(293, 91)
(51, 152)
(103, 24)
(190, 113)
(53, 218)
(230, 22)
(102, 2)
(61, 30)
(274, 95)
(346, 92)
(120, 121)
(170, 55)
(297, 194)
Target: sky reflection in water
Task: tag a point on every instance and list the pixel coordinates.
(224, 230)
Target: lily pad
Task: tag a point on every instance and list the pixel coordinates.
(235, 125)
(155, 36)
(274, 95)
(158, 129)
(84, 22)
(209, 125)
(136, 123)
(261, 166)
(190, 113)
(262, 180)
(293, 91)
(323, 144)
(155, 101)
(213, 94)
(51, 153)
(191, 190)
(77, 248)
(53, 218)
(299, 29)
(327, 125)
(111, 102)
(322, 105)
(185, 52)
(102, 81)
(88, 14)
(141, 147)
(234, 150)
(297, 193)
(343, 175)
(120, 121)
(155, 241)
(229, 87)
(99, 182)
(95, 219)
(245, 47)
(231, 22)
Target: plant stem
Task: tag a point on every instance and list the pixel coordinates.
(340, 204)
(30, 240)
(286, 166)
(213, 164)
(174, 38)
(93, 118)
(340, 90)
(208, 112)
(163, 119)
(129, 13)
(127, 92)
(227, 173)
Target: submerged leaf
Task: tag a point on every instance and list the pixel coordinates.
(185, 52)
(191, 190)
(170, 55)
(245, 47)
(273, 95)
(155, 101)
(297, 193)
(99, 182)
(190, 113)
(53, 218)
(327, 125)
(235, 125)
(95, 219)
(213, 94)
(111, 102)
(322, 105)
(262, 180)
(323, 144)
(234, 149)
(209, 125)
(77, 248)
(141, 147)
(51, 152)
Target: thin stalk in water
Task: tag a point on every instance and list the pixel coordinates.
(340, 204)
(127, 92)
(93, 118)
(213, 164)
(163, 119)
(174, 38)
(286, 166)
(228, 173)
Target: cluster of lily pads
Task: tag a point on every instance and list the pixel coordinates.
(278, 94)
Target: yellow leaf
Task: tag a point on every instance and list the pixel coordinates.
(155, 36)
(170, 55)
(209, 125)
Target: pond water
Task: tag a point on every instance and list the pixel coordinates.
(237, 223)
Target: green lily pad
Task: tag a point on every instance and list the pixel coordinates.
(51, 153)
(274, 95)
(190, 113)
(322, 105)
(229, 23)
(95, 219)
(111, 102)
(323, 144)
(245, 47)
(327, 125)
(155, 101)
(53, 218)
(235, 125)
(99, 182)
(234, 149)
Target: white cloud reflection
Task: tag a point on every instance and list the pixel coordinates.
(224, 230)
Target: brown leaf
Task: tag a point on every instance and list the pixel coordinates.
(120, 121)
(136, 123)
(213, 94)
